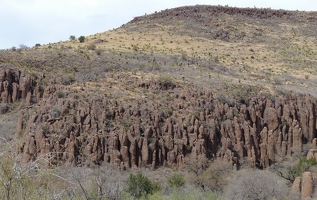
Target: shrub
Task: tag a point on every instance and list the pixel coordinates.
(256, 184)
(3, 108)
(91, 47)
(68, 79)
(72, 37)
(17, 180)
(176, 181)
(60, 94)
(166, 82)
(23, 46)
(188, 148)
(82, 39)
(139, 185)
(195, 164)
(99, 51)
(214, 177)
(135, 47)
(191, 194)
(303, 165)
(55, 112)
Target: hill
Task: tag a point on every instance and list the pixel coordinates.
(181, 86)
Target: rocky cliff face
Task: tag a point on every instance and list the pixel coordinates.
(16, 85)
(167, 124)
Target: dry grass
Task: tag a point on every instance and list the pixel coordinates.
(274, 53)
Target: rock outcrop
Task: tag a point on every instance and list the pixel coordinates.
(16, 85)
(164, 127)
(304, 187)
(312, 154)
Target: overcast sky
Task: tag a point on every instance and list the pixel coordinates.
(47, 21)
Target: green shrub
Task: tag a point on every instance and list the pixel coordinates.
(188, 148)
(60, 94)
(304, 164)
(139, 185)
(176, 181)
(82, 39)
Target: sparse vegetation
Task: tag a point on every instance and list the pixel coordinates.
(99, 51)
(251, 184)
(60, 94)
(4, 108)
(176, 180)
(304, 165)
(23, 46)
(91, 47)
(67, 79)
(139, 185)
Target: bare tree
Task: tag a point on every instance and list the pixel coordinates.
(80, 176)
(98, 183)
(256, 184)
(109, 183)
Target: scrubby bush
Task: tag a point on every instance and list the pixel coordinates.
(166, 82)
(303, 165)
(67, 79)
(256, 184)
(82, 39)
(23, 46)
(139, 185)
(4, 108)
(214, 177)
(99, 51)
(292, 168)
(176, 181)
(72, 37)
(18, 180)
(91, 47)
(60, 94)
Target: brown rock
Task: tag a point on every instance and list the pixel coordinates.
(307, 185)
(146, 133)
(271, 118)
(296, 187)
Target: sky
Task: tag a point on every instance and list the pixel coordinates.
(28, 22)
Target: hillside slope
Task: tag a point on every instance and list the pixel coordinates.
(198, 82)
